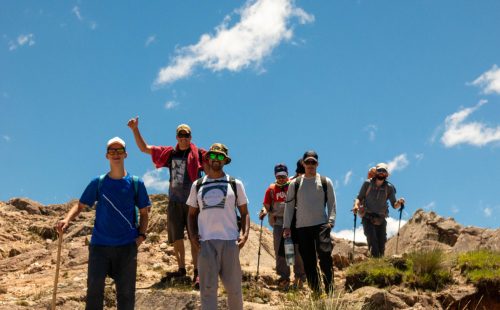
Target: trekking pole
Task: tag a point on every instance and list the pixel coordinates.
(58, 263)
(260, 243)
(354, 235)
(399, 226)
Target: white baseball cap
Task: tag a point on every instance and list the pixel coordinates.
(116, 140)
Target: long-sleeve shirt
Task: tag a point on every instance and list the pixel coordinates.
(310, 203)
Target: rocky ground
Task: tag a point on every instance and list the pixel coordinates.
(28, 247)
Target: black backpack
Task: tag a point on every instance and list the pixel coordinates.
(232, 183)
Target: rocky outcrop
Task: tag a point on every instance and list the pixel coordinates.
(427, 230)
(28, 250)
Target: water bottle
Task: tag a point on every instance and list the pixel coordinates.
(289, 252)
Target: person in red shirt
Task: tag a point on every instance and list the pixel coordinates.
(274, 206)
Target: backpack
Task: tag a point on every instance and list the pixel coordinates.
(362, 207)
(135, 180)
(232, 183)
(323, 184)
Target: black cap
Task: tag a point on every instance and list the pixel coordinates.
(310, 155)
(280, 168)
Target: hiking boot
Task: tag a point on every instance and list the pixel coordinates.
(174, 274)
(298, 283)
(283, 284)
(196, 283)
(196, 280)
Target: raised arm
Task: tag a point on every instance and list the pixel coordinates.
(133, 123)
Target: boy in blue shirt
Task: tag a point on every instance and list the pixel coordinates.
(116, 234)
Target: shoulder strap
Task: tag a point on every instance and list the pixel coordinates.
(232, 182)
(325, 187)
(99, 185)
(135, 180)
(296, 188)
(199, 182)
(272, 187)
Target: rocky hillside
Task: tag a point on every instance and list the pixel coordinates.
(28, 250)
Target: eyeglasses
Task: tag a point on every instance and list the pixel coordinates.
(310, 162)
(184, 135)
(119, 151)
(216, 156)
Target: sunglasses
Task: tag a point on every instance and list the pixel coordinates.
(216, 156)
(381, 171)
(310, 162)
(184, 135)
(119, 151)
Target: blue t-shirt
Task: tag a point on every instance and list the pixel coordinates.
(115, 210)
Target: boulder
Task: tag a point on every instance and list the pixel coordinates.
(28, 205)
(373, 298)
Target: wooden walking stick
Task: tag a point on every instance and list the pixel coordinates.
(258, 257)
(58, 262)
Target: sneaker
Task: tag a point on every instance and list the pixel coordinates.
(174, 274)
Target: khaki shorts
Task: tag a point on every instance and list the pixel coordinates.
(177, 216)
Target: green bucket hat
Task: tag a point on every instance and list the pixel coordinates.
(220, 148)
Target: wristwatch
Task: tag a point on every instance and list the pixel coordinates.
(143, 235)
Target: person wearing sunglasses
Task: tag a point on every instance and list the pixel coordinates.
(117, 231)
(213, 227)
(185, 164)
(274, 205)
(312, 197)
(371, 206)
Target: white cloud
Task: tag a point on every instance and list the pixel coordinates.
(347, 177)
(398, 163)
(76, 11)
(372, 130)
(487, 212)
(489, 81)
(151, 39)
(457, 131)
(91, 24)
(392, 230)
(455, 210)
(169, 105)
(430, 206)
(349, 235)
(6, 138)
(263, 25)
(22, 40)
(156, 179)
(419, 157)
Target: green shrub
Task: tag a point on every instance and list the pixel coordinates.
(427, 270)
(482, 259)
(373, 272)
(481, 268)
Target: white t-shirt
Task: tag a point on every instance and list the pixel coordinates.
(216, 200)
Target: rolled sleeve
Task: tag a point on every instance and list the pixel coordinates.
(160, 154)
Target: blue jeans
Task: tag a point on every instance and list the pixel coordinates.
(118, 262)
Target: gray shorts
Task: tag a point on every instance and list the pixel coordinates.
(177, 214)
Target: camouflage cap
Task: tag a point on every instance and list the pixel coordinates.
(220, 148)
(183, 127)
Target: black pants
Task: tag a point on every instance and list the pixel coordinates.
(118, 262)
(375, 236)
(315, 242)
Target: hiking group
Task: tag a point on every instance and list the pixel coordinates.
(205, 201)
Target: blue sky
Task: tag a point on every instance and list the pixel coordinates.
(412, 83)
